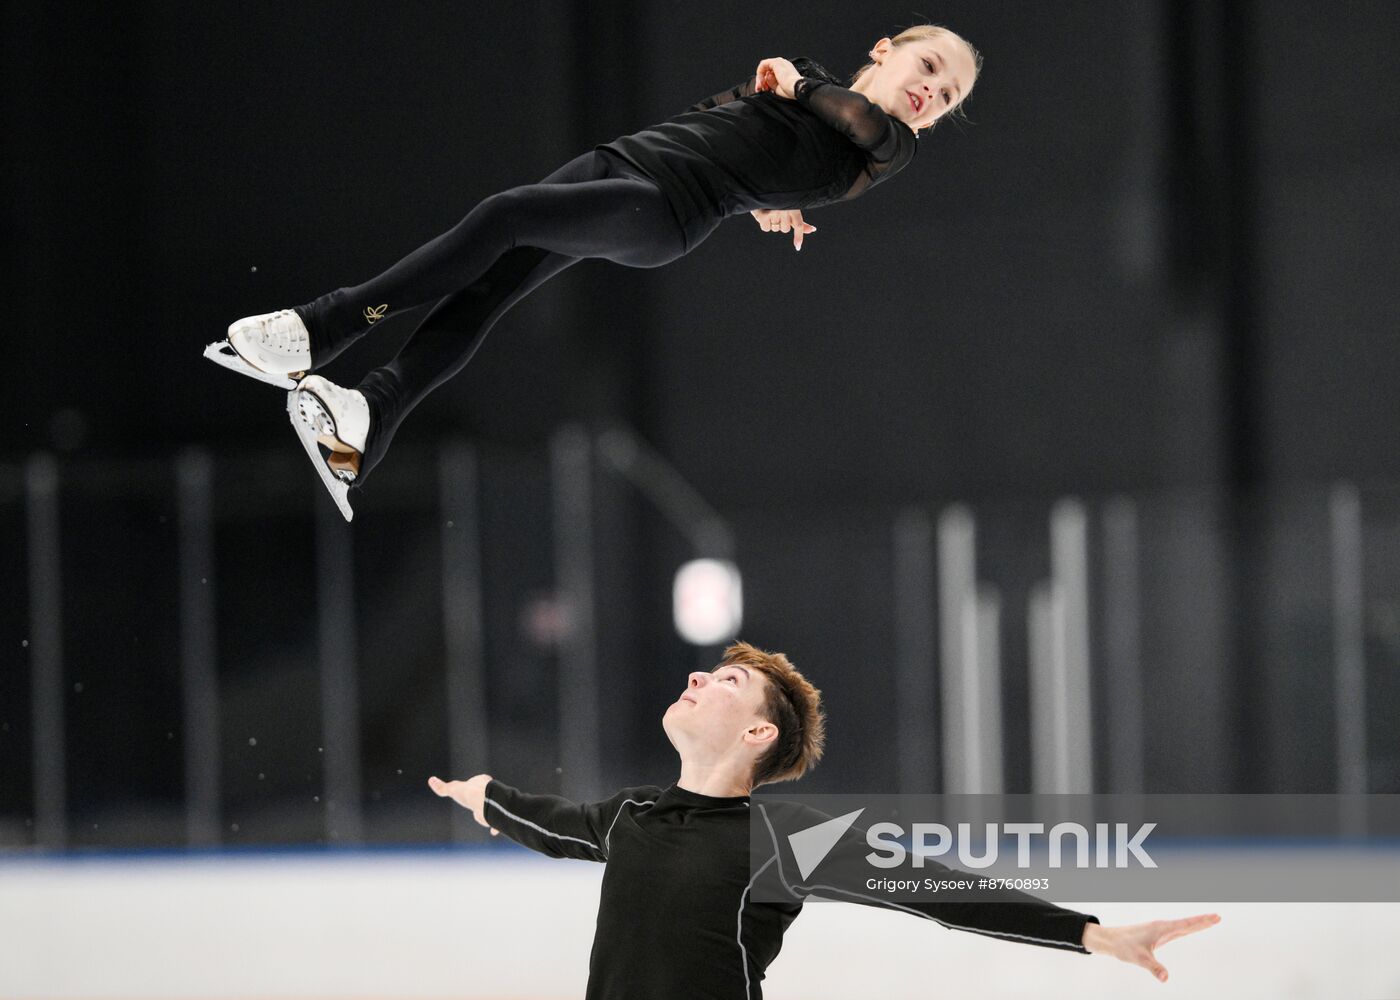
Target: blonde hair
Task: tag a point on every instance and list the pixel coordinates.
(927, 32)
(793, 705)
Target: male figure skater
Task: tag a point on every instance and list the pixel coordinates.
(676, 918)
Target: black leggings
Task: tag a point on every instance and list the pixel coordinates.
(596, 205)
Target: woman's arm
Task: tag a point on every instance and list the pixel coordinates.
(853, 115)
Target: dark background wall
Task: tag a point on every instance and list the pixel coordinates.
(1157, 260)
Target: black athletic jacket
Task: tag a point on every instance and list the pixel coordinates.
(739, 150)
(676, 919)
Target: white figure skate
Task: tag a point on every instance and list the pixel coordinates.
(326, 416)
(273, 348)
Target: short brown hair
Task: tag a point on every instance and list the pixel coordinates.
(793, 705)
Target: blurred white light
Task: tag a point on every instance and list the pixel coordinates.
(707, 601)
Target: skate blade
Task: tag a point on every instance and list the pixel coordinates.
(222, 353)
(311, 421)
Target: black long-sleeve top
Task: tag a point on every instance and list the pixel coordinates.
(740, 150)
(677, 919)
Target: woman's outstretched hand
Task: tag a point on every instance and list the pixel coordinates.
(1136, 943)
(777, 75)
(779, 220)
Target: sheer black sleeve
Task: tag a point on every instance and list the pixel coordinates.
(735, 92)
(864, 123)
(888, 144)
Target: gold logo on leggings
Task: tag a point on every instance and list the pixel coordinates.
(376, 313)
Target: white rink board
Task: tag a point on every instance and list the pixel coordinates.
(504, 925)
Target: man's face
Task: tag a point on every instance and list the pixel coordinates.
(716, 710)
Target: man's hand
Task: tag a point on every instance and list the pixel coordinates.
(777, 220)
(777, 75)
(1136, 943)
(470, 793)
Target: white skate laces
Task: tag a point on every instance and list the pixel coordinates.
(332, 424)
(276, 342)
(273, 347)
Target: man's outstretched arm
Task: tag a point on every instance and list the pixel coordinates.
(1003, 913)
(546, 823)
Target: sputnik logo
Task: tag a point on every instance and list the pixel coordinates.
(812, 845)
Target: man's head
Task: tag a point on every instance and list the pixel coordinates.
(753, 709)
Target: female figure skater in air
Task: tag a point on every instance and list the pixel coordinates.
(788, 139)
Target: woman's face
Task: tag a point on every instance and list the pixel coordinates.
(919, 81)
